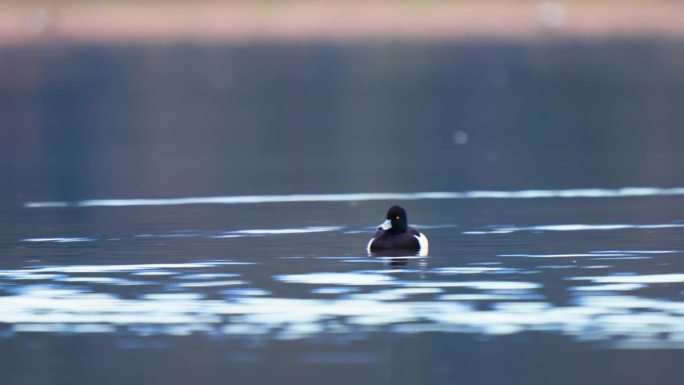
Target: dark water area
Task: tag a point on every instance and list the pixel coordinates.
(199, 213)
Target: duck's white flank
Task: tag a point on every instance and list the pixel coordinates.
(369, 245)
(423, 242)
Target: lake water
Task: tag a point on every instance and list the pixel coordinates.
(199, 214)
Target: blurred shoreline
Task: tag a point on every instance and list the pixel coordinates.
(159, 22)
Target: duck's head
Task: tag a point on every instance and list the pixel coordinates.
(395, 221)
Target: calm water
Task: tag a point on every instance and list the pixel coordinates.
(199, 214)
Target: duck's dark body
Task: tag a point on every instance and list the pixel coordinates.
(387, 240)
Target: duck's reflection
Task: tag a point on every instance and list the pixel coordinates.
(401, 258)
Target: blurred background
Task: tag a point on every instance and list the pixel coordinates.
(173, 98)
(255, 101)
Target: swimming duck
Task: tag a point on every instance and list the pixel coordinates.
(395, 234)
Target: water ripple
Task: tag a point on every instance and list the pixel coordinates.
(576, 255)
(357, 300)
(43, 272)
(648, 278)
(358, 279)
(605, 318)
(242, 233)
(358, 197)
(573, 227)
(59, 240)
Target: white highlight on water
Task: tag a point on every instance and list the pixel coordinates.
(574, 227)
(310, 229)
(357, 197)
(58, 240)
(133, 268)
(611, 287)
(562, 255)
(642, 279)
(354, 279)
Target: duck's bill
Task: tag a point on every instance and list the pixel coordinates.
(386, 225)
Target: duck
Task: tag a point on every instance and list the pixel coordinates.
(395, 234)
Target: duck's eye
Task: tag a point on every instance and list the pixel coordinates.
(397, 217)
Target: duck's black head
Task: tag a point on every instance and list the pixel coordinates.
(397, 221)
